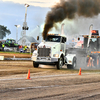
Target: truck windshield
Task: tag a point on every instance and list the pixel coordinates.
(11, 41)
(93, 39)
(53, 38)
(93, 45)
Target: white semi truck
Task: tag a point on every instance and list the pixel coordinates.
(52, 51)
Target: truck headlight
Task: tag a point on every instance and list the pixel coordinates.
(34, 54)
(56, 55)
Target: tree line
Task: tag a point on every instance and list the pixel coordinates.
(4, 31)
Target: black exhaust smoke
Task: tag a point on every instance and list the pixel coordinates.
(68, 9)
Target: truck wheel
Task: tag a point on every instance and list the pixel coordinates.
(60, 63)
(35, 64)
(73, 66)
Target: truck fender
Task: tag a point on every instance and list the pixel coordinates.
(61, 53)
(34, 55)
(69, 58)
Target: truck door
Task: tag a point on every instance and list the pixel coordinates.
(63, 44)
(85, 42)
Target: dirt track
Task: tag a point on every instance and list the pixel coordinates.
(46, 83)
(17, 55)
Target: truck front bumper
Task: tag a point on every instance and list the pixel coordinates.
(44, 60)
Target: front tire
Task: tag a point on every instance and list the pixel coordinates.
(73, 66)
(60, 63)
(35, 64)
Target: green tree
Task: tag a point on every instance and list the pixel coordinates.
(4, 31)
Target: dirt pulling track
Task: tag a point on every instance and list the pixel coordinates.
(47, 83)
(17, 55)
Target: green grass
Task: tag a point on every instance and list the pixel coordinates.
(11, 52)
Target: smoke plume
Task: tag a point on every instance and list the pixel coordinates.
(68, 9)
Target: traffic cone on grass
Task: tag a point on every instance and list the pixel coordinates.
(79, 72)
(28, 75)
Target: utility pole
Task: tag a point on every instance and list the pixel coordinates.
(25, 27)
(17, 32)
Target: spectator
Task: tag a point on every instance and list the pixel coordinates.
(3, 47)
(25, 48)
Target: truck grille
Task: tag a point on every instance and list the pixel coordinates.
(43, 52)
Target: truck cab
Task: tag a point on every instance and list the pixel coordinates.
(93, 50)
(50, 51)
(94, 43)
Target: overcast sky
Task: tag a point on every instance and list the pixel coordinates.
(12, 12)
(40, 3)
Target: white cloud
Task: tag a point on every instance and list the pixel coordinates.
(41, 3)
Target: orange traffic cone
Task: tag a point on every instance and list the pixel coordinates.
(79, 72)
(28, 75)
(14, 55)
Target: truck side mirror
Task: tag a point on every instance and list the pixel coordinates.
(65, 39)
(78, 38)
(37, 37)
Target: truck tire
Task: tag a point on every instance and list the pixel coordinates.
(73, 66)
(35, 64)
(60, 63)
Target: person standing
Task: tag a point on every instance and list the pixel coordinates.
(24, 48)
(3, 47)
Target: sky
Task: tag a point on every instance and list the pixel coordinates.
(12, 12)
(39, 3)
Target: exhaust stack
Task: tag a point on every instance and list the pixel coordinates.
(91, 27)
(62, 29)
